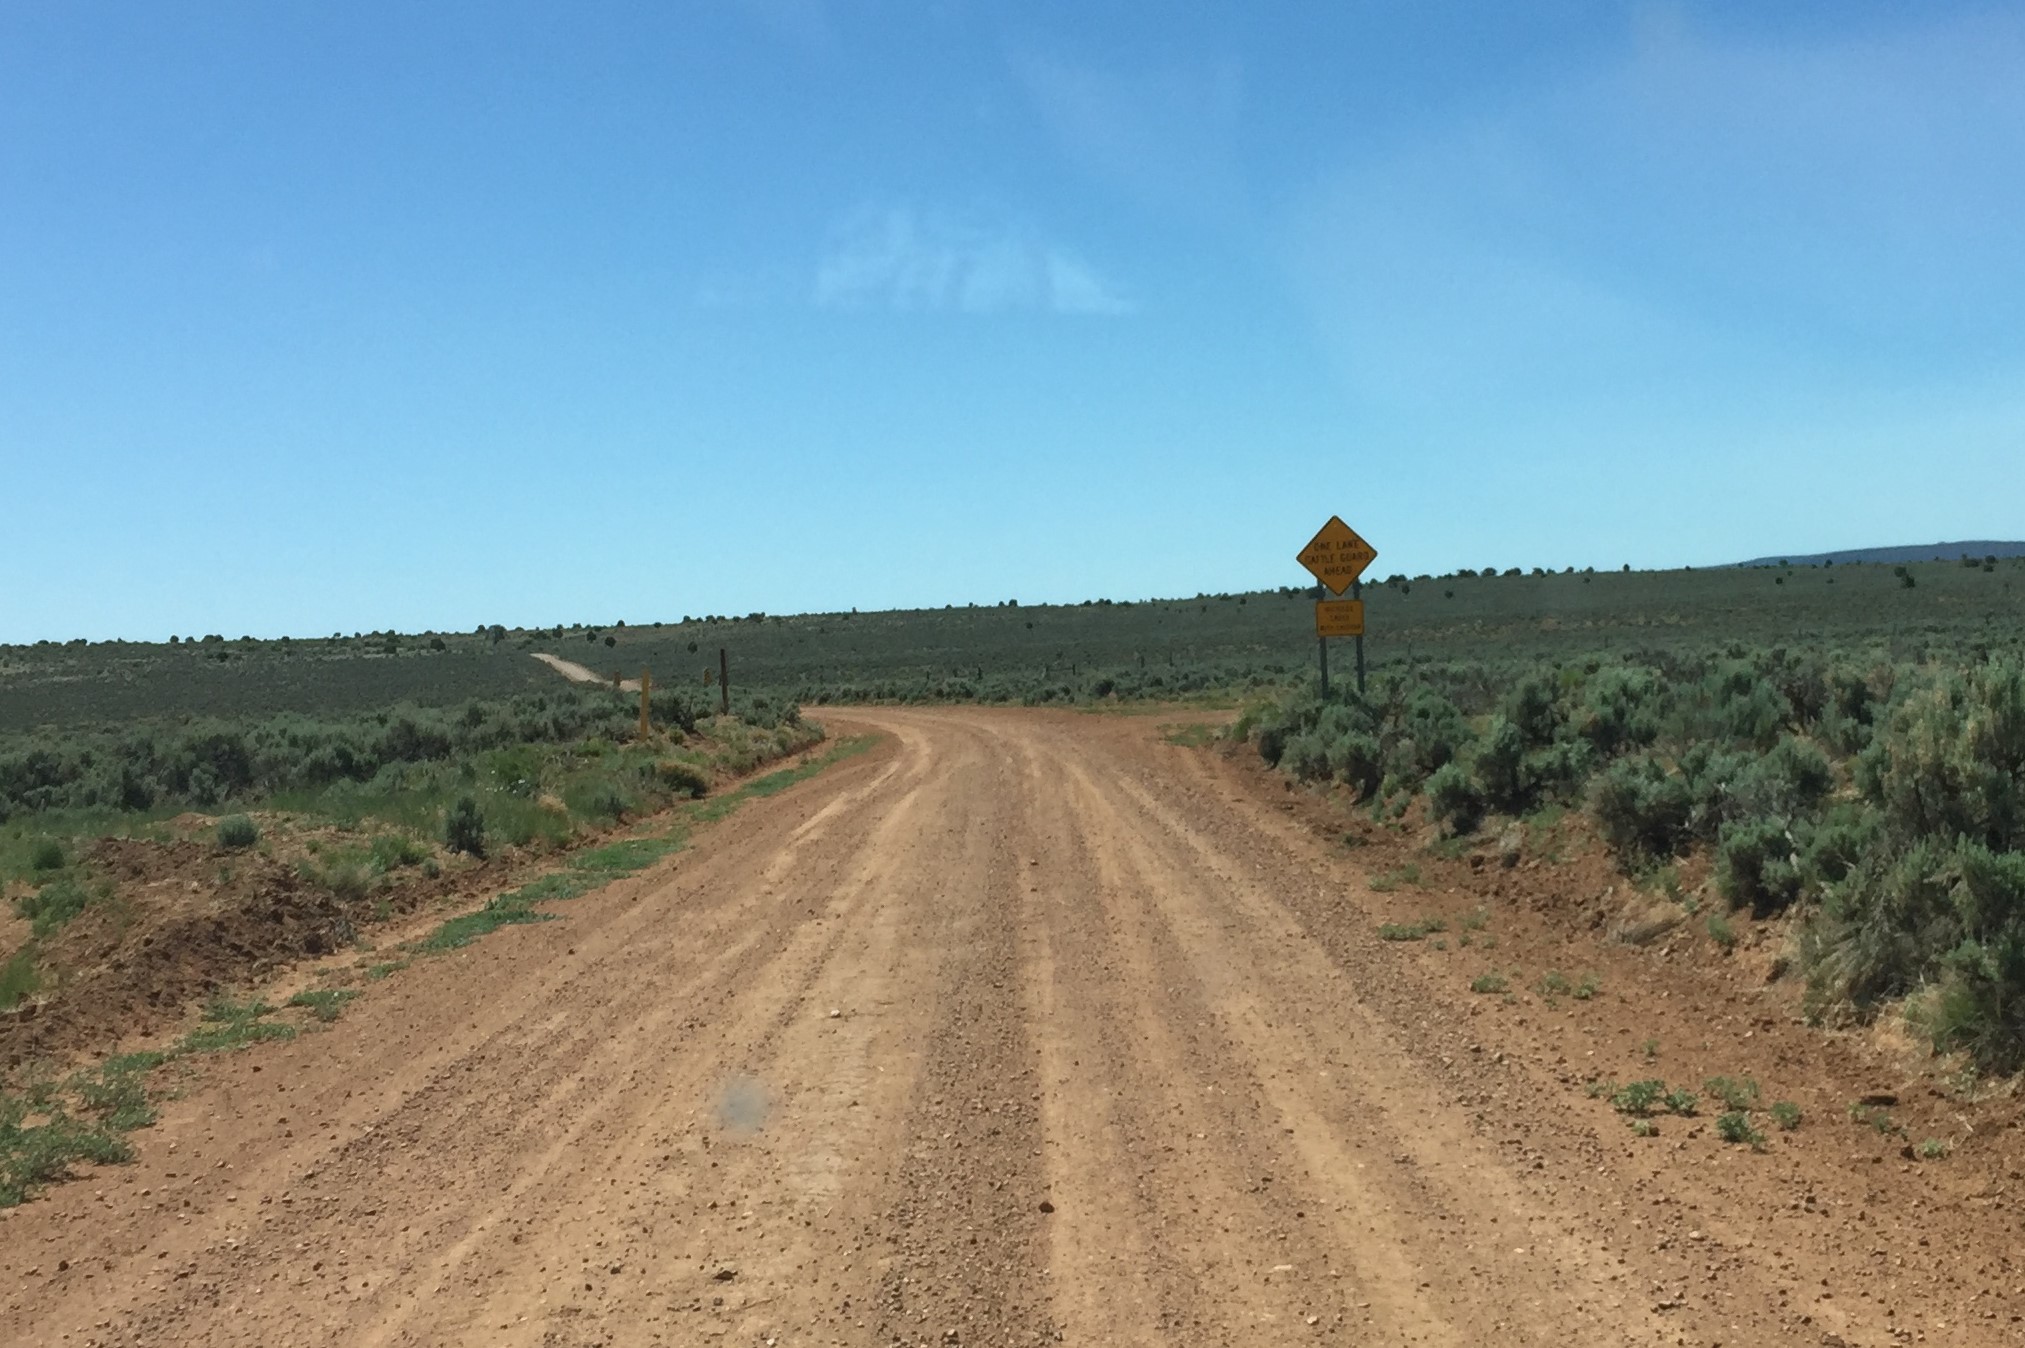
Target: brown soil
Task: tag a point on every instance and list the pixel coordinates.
(1031, 1028)
(184, 921)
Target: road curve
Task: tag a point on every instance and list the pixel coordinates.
(1010, 1032)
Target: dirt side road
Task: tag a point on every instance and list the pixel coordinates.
(1024, 1029)
(577, 673)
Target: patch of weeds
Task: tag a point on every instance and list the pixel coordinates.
(1736, 1127)
(1554, 983)
(1649, 1049)
(628, 856)
(1476, 919)
(1387, 881)
(1490, 982)
(1489, 941)
(1734, 1092)
(57, 902)
(1598, 1087)
(776, 782)
(80, 1119)
(508, 910)
(33, 1155)
(1878, 1118)
(1403, 931)
(1721, 931)
(1933, 1149)
(228, 1025)
(1194, 735)
(1786, 1114)
(116, 1094)
(1449, 849)
(326, 1003)
(395, 851)
(378, 971)
(18, 977)
(1644, 1128)
(1440, 945)
(1639, 1097)
(45, 855)
(1682, 1101)
(1663, 879)
(1354, 839)
(1463, 941)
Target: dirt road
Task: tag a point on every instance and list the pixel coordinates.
(1026, 1028)
(577, 673)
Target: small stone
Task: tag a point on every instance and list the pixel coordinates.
(725, 1274)
(1046, 1206)
(836, 1013)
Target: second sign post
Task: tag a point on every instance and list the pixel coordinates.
(1337, 557)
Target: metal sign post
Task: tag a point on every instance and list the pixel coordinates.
(1357, 589)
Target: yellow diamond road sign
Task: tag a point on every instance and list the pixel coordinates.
(1337, 555)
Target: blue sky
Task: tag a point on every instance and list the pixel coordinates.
(322, 317)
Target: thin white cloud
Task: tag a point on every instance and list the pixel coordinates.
(904, 259)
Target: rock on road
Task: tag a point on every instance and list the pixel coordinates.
(1010, 1031)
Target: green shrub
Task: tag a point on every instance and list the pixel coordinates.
(1642, 810)
(1951, 760)
(1757, 864)
(45, 856)
(1734, 1092)
(397, 851)
(684, 779)
(1532, 709)
(1430, 733)
(1454, 800)
(1979, 1008)
(237, 832)
(1736, 1127)
(464, 827)
(1500, 765)
(1639, 1097)
(1620, 710)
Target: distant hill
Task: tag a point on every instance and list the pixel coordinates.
(1929, 552)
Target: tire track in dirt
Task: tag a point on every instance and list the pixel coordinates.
(966, 1262)
(1369, 1138)
(762, 988)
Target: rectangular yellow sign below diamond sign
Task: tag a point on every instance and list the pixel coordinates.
(1339, 618)
(1337, 555)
